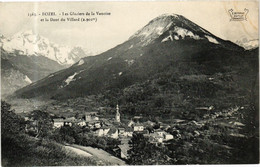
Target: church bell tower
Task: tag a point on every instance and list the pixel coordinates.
(117, 114)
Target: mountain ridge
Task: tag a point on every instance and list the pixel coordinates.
(164, 42)
(33, 57)
(248, 44)
(32, 44)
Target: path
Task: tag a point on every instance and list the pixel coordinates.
(78, 151)
(101, 154)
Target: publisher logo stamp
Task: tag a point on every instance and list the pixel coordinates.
(238, 15)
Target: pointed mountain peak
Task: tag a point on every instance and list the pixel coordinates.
(24, 33)
(29, 32)
(2, 36)
(174, 27)
(155, 27)
(30, 43)
(248, 44)
(169, 15)
(166, 17)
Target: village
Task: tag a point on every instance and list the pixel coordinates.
(112, 128)
(112, 132)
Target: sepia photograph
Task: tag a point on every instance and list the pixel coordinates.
(119, 83)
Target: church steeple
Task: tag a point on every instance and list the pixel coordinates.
(117, 114)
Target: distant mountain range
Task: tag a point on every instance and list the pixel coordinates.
(28, 57)
(31, 44)
(248, 44)
(169, 44)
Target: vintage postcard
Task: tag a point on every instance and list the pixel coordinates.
(129, 83)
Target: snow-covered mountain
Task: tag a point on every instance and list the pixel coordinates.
(167, 44)
(176, 28)
(164, 22)
(29, 57)
(31, 44)
(248, 44)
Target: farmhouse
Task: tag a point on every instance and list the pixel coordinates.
(138, 127)
(113, 133)
(57, 123)
(102, 131)
(90, 116)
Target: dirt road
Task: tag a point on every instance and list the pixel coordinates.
(78, 151)
(100, 154)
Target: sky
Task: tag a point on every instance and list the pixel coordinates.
(126, 18)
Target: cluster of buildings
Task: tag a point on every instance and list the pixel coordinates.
(102, 127)
(115, 129)
(90, 120)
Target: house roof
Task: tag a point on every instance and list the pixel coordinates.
(167, 134)
(178, 120)
(58, 120)
(158, 130)
(138, 117)
(128, 129)
(149, 122)
(112, 130)
(94, 121)
(146, 135)
(138, 124)
(67, 120)
(155, 135)
(91, 113)
(131, 121)
(104, 127)
(71, 118)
